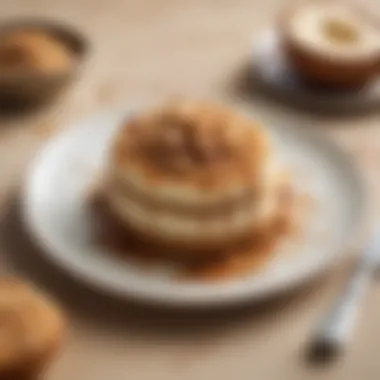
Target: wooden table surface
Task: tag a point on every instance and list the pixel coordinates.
(150, 48)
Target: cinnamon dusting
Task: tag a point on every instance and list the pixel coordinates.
(200, 142)
(33, 50)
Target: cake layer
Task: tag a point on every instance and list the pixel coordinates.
(173, 227)
(188, 195)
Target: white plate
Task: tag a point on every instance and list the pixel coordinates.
(271, 70)
(55, 212)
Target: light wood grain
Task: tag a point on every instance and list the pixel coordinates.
(154, 48)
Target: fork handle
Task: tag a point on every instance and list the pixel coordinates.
(337, 326)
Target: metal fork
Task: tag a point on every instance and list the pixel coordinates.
(336, 327)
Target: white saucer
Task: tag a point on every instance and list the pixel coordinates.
(271, 70)
(55, 212)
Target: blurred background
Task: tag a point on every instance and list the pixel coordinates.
(148, 49)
